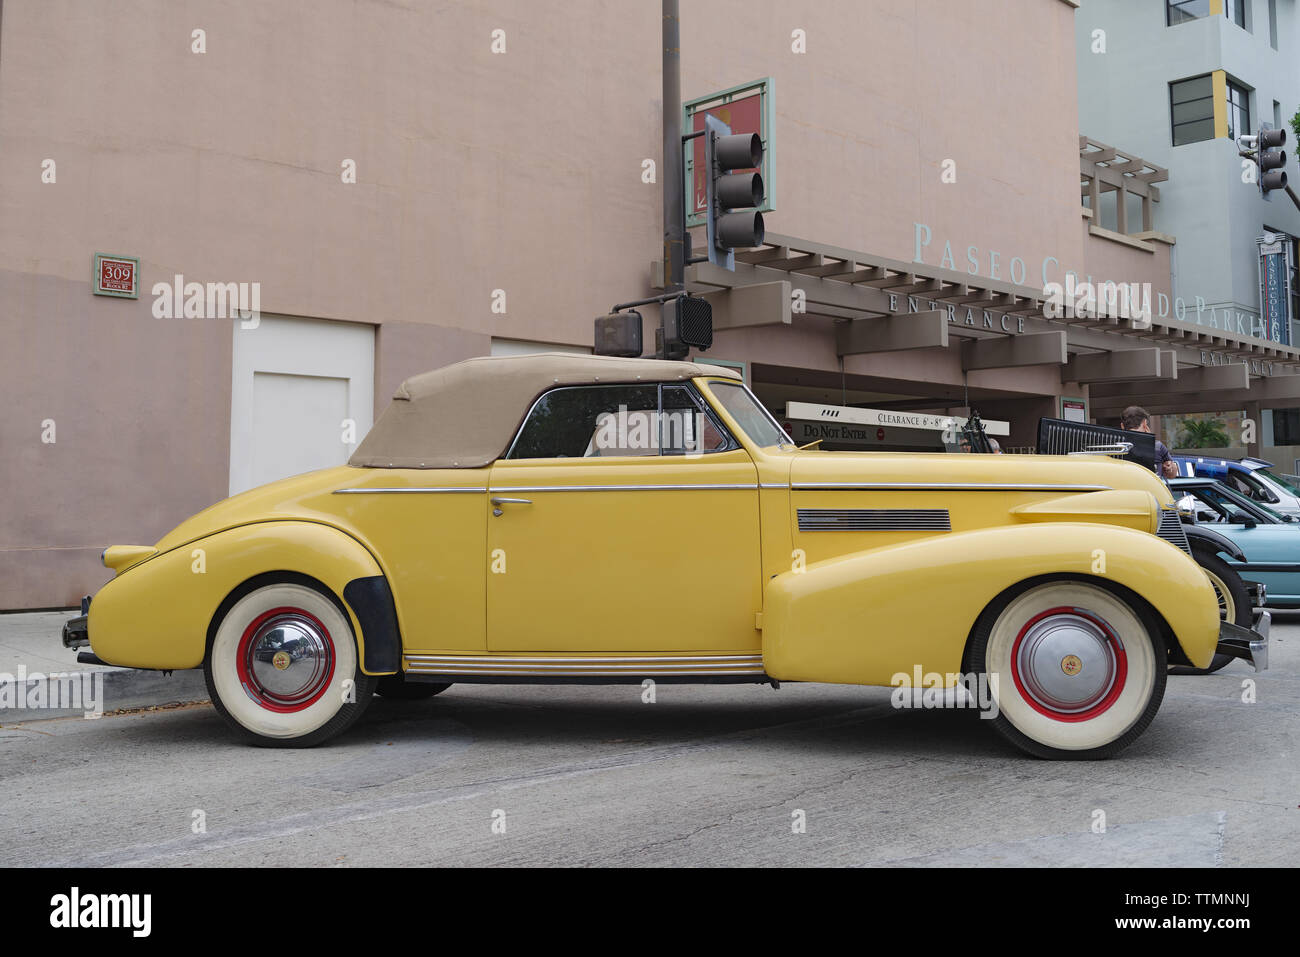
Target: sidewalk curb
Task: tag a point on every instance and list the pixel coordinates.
(111, 688)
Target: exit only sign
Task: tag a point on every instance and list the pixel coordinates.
(117, 276)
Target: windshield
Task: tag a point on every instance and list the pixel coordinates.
(1220, 504)
(749, 414)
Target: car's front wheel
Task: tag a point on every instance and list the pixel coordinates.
(1075, 670)
(282, 667)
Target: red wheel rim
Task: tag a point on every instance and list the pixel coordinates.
(1075, 643)
(285, 660)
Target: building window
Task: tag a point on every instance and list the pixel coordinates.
(1180, 11)
(1238, 111)
(1286, 426)
(1191, 107)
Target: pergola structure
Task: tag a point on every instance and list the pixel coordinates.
(1104, 169)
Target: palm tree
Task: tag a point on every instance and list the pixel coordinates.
(1203, 434)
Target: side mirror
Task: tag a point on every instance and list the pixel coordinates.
(1248, 521)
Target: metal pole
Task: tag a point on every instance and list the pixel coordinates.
(673, 179)
(1290, 192)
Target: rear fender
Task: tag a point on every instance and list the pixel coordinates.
(156, 614)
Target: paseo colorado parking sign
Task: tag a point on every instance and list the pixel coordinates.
(117, 276)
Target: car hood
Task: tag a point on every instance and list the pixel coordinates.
(1062, 474)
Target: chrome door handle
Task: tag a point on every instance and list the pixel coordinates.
(498, 502)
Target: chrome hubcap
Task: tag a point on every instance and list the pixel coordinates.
(1067, 661)
(290, 659)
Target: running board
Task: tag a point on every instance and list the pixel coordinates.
(603, 668)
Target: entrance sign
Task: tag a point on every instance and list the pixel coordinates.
(116, 276)
(1275, 268)
(745, 109)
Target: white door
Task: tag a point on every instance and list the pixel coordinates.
(302, 397)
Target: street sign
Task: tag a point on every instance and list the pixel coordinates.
(744, 109)
(116, 276)
(1275, 269)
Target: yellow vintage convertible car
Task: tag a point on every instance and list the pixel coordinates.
(578, 518)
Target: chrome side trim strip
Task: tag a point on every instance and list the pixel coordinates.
(590, 659)
(413, 490)
(874, 520)
(621, 488)
(942, 486)
(595, 666)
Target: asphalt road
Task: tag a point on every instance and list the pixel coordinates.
(703, 776)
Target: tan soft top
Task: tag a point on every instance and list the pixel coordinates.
(465, 415)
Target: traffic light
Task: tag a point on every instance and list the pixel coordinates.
(619, 334)
(1272, 159)
(688, 323)
(732, 218)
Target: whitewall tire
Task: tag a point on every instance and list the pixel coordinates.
(1076, 670)
(282, 667)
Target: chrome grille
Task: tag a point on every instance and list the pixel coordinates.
(1171, 529)
(874, 520)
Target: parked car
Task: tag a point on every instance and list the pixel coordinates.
(579, 518)
(1267, 542)
(1255, 478)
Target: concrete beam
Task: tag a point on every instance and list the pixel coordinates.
(1031, 349)
(1100, 367)
(1202, 379)
(1270, 392)
(921, 330)
(763, 304)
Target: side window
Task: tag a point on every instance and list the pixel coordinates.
(1259, 491)
(586, 421)
(685, 427)
(619, 420)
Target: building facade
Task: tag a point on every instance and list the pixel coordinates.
(1179, 81)
(391, 187)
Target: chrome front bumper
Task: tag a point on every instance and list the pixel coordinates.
(1249, 645)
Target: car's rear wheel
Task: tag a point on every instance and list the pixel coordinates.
(282, 667)
(398, 688)
(1076, 671)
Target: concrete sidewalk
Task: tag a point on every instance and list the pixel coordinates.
(32, 654)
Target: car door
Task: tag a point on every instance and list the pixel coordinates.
(623, 519)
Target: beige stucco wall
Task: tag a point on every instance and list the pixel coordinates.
(475, 172)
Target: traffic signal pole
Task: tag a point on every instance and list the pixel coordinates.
(674, 178)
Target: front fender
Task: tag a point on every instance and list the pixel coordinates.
(861, 618)
(156, 614)
(1215, 541)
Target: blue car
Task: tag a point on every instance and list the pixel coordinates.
(1257, 479)
(1265, 543)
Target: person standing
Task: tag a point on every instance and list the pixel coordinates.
(1137, 419)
